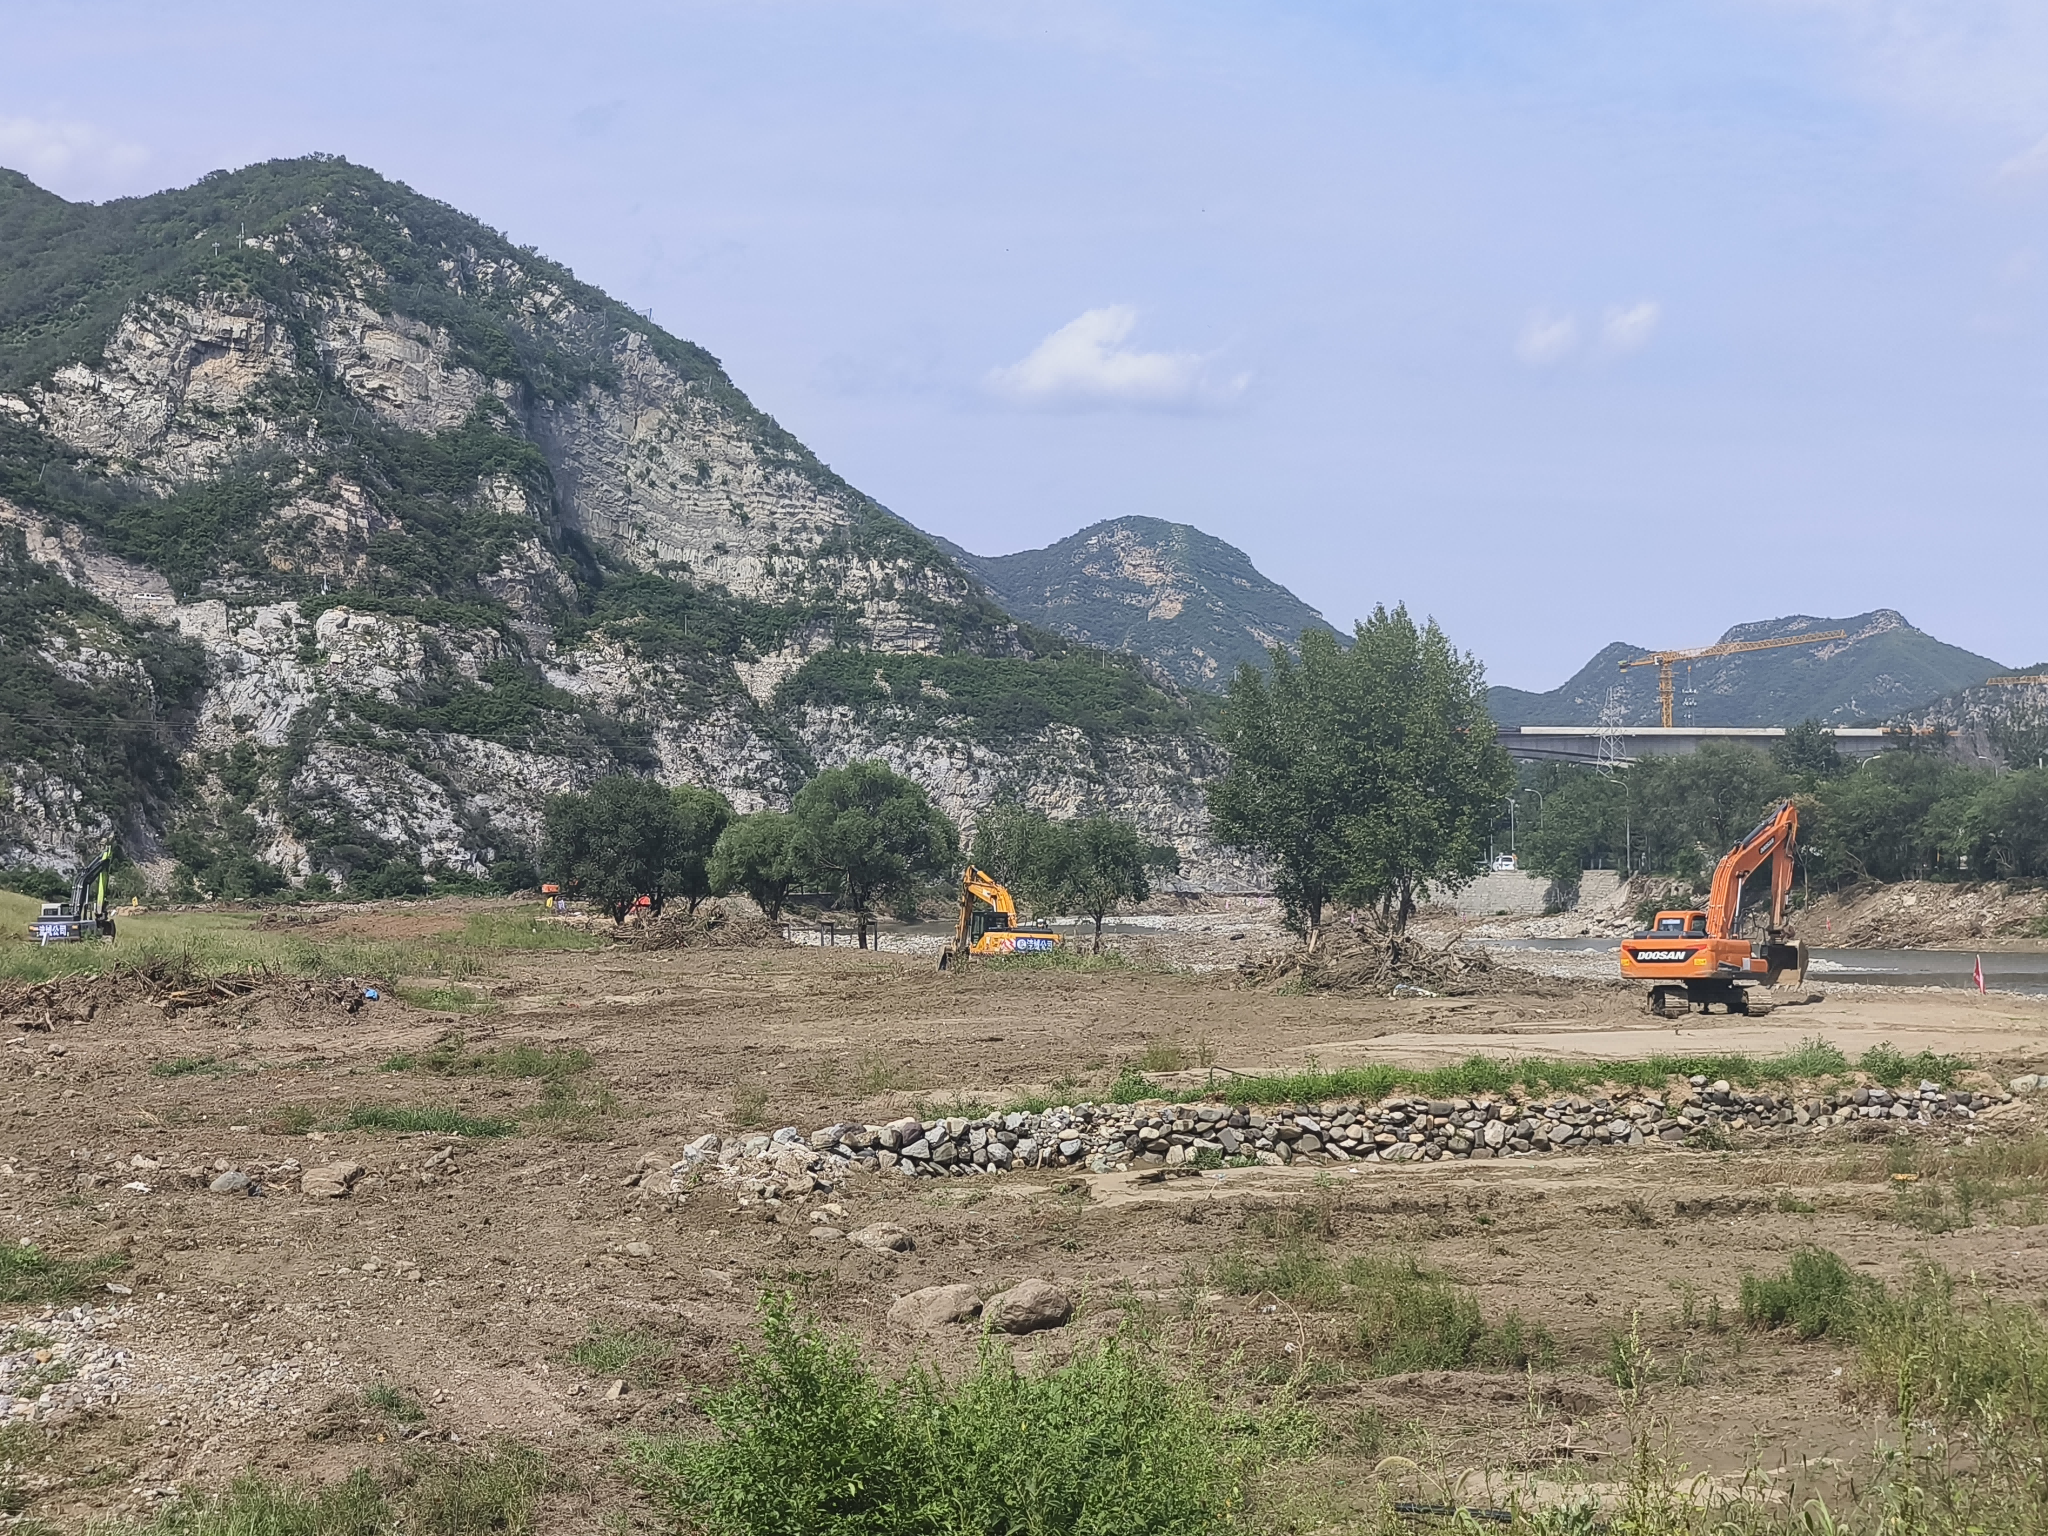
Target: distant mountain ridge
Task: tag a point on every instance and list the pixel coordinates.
(1191, 604)
(1884, 669)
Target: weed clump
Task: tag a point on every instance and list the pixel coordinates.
(1409, 1318)
(1818, 1294)
(811, 1440)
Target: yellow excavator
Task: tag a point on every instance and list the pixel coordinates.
(988, 923)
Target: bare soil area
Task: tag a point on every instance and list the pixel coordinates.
(479, 1275)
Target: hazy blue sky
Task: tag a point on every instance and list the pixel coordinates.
(1563, 321)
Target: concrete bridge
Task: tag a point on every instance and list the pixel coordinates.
(1583, 743)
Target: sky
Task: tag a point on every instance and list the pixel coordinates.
(1562, 321)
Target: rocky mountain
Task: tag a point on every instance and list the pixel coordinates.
(1884, 669)
(1192, 605)
(339, 531)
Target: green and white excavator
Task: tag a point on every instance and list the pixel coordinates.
(89, 916)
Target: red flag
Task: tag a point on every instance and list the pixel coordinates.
(1980, 973)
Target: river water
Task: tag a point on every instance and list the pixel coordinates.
(2003, 971)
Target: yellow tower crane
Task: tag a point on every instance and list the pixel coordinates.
(1662, 660)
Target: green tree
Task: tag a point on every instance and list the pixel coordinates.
(1364, 774)
(757, 855)
(1286, 788)
(2003, 826)
(700, 817)
(1093, 864)
(873, 830)
(1010, 844)
(1808, 753)
(1426, 773)
(1582, 820)
(613, 845)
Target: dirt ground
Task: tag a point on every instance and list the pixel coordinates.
(252, 1325)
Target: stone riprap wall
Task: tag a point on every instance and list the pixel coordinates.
(1104, 1138)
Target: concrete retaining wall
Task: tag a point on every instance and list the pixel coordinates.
(1526, 895)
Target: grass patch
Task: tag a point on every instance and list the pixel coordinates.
(398, 1406)
(433, 1120)
(1409, 1318)
(1926, 1352)
(749, 1104)
(521, 930)
(212, 943)
(446, 998)
(573, 1109)
(630, 1354)
(191, 1066)
(1067, 957)
(451, 1056)
(29, 1275)
(811, 1440)
(493, 1493)
(290, 1120)
(1531, 1075)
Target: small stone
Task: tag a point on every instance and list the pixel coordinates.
(615, 1391)
(330, 1181)
(1028, 1306)
(885, 1237)
(635, 1250)
(2026, 1082)
(934, 1307)
(233, 1182)
(824, 1234)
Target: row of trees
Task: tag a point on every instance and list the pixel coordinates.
(863, 832)
(1911, 812)
(1088, 865)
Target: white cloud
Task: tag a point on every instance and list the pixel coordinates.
(1547, 338)
(1625, 327)
(69, 153)
(1083, 364)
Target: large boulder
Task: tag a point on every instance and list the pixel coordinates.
(1027, 1307)
(884, 1237)
(934, 1307)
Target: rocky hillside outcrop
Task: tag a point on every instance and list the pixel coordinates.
(346, 532)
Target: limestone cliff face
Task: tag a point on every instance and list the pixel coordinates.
(449, 532)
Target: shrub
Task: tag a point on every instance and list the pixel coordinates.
(810, 1440)
(1818, 1294)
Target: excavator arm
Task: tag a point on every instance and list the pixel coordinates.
(1771, 843)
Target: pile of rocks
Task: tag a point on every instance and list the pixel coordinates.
(60, 1363)
(1107, 1137)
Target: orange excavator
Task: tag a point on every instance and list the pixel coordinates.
(988, 923)
(1694, 959)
